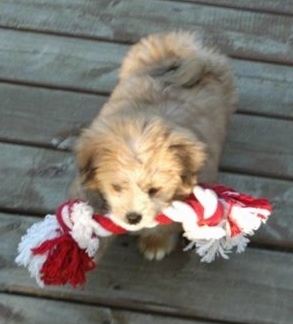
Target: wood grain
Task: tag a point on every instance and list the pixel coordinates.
(264, 88)
(59, 61)
(258, 284)
(58, 64)
(240, 33)
(36, 180)
(255, 145)
(90, 66)
(259, 145)
(284, 7)
(33, 179)
(44, 116)
(27, 310)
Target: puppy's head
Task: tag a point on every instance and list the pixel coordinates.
(139, 166)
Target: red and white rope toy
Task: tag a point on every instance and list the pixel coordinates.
(215, 219)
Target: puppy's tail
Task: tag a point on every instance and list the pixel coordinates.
(175, 58)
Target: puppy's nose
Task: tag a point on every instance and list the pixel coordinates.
(133, 218)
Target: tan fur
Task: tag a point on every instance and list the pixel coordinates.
(159, 134)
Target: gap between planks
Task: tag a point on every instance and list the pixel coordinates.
(238, 56)
(17, 308)
(239, 32)
(251, 284)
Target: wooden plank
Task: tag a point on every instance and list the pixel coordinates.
(36, 180)
(259, 145)
(33, 179)
(240, 33)
(284, 7)
(254, 144)
(54, 116)
(264, 88)
(61, 62)
(28, 310)
(254, 287)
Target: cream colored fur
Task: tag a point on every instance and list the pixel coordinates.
(160, 133)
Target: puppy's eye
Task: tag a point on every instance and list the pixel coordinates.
(153, 191)
(116, 188)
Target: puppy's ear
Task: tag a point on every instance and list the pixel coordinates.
(87, 151)
(191, 154)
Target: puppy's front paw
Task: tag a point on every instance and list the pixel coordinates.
(156, 247)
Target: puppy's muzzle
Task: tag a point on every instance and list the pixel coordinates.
(133, 218)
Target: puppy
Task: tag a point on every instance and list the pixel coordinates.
(158, 135)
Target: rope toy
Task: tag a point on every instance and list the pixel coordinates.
(215, 219)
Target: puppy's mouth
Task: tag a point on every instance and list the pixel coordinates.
(133, 222)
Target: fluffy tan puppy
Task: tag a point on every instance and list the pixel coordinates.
(158, 135)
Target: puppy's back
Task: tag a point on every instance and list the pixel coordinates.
(176, 58)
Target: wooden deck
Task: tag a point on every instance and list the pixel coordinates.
(58, 63)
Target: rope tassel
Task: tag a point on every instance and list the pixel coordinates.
(215, 219)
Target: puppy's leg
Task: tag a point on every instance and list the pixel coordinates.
(158, 242)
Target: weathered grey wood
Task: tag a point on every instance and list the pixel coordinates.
(92, 66)
(36, 180)
(264, 88)
(27, 310)
(259, 145)
(254, 287)
(53, 118)
(45, 117)
(241, 33)
(59, 61)
(33, 179)
(280, 7)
